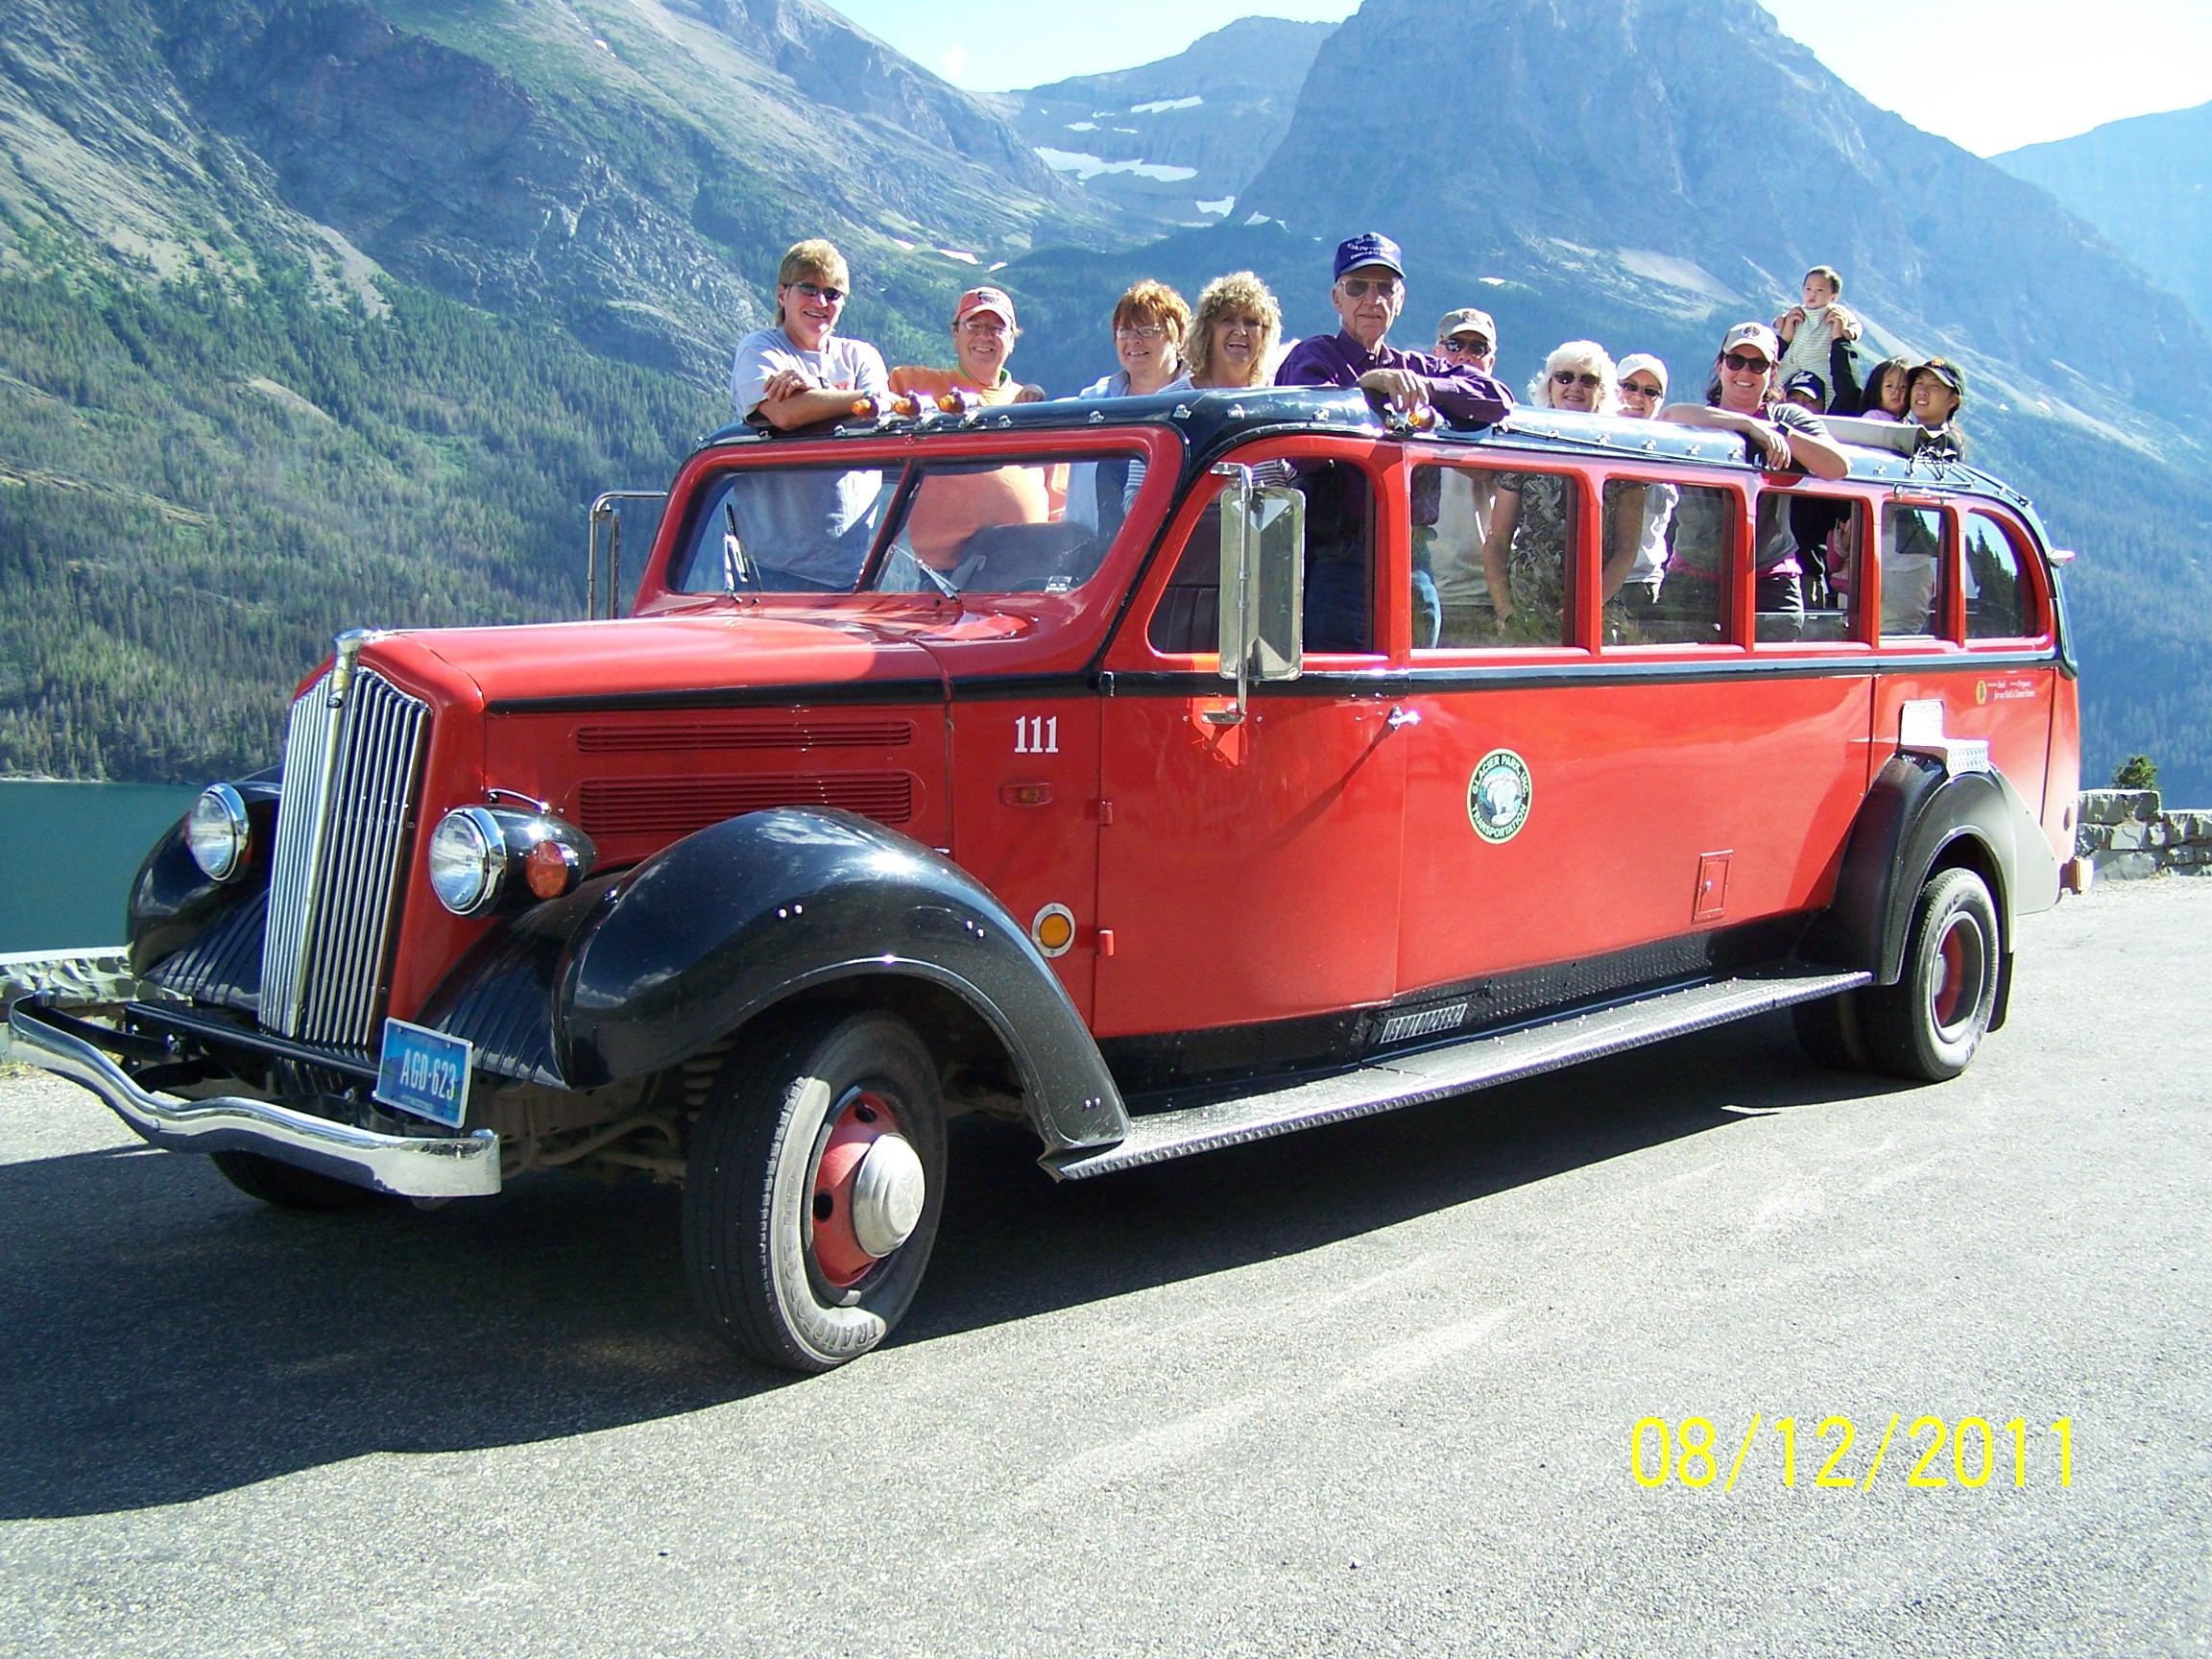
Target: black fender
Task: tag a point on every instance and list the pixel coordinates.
(710, 932)
(1917, 815)
(173, 901)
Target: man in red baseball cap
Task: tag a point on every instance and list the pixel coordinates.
(951, 505)
(983, 336)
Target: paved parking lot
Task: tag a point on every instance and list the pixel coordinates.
(1370, 1389)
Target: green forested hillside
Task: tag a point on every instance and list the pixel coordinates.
(200, 487)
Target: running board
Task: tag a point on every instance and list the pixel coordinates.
(1387, 1083)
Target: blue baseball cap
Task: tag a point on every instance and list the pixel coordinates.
(1368, 247)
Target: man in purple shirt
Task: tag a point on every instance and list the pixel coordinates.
(1368, 294)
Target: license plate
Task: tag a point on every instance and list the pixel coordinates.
(423, 1072)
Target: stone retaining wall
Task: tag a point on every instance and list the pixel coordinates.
(82, 976)
(2127, 833)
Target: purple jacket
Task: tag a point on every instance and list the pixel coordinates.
(1466, 395)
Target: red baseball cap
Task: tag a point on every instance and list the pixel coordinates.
(991, 300)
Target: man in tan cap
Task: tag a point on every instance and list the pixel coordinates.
(1467, 336)
(1449, 530)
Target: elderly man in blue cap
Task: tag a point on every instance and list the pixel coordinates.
(1368, 294)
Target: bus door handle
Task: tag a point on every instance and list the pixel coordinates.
(1401, 716)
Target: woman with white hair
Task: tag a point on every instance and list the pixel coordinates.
(1578, 375)
(1525, 556)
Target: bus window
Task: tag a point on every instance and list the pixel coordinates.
(784, 529)
(1450, 523)
(1527, 555)
(1187, 621)
(1826, 529)
(1683, 604)
(2000, 605)
(1911, 571)
(1637, 518)
(1339, 556)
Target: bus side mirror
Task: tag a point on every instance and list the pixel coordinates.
(1262, 625)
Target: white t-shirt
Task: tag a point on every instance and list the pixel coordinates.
(851, 365)
(816, 524)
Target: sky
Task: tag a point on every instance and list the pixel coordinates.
(1989, 74)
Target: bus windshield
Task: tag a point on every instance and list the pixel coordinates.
(966, 525)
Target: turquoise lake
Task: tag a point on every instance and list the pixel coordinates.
(72, 850)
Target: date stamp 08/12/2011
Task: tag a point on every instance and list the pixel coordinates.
(1938, 1451)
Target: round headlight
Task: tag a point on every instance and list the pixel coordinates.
(217, 834)
(468, 860)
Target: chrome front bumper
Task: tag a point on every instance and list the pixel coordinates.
(410, 1166)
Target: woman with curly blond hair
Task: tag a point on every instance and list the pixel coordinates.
(1234, 337)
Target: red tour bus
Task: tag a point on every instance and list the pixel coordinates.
(1135, 793)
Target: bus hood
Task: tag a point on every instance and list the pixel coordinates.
(578, 664)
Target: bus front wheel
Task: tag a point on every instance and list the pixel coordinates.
(814, 1183)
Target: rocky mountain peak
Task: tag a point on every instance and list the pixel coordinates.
(1176, 141)
(2146, 183)
(1685, 156)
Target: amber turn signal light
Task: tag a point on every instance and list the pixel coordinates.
(550, 868)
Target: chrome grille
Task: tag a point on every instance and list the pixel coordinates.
(350, 769)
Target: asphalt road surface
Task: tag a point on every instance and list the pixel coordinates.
(1371, 1389)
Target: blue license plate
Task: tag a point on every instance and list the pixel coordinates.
(423, 1072)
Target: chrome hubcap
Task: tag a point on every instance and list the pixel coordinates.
(887, 1193)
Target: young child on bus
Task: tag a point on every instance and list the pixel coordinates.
(1816, 336)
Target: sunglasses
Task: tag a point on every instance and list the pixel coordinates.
(1746, 362)
(815, 291)
(1465, 345)
(1569, 377)
(1357, 287)
(1638, 389)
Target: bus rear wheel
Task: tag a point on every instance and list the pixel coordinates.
(1928, 1026)
(1829, 1031)
(816, 1177)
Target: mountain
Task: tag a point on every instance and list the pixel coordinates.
(628, 168)
(1176, 141)
(1685, 156)
(2146, 183)
(322, 313)
(327, 313)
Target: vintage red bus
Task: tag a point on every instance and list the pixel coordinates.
(1131, 795)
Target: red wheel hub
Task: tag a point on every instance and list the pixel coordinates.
(847, 1204)
(1959, 980)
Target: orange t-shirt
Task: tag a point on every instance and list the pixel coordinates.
(950, 507)
(930, 382)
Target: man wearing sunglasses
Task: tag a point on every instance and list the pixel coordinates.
(1368, 294)
(1468, 336)
(798, 371)
(1451, 506)
(804, 531)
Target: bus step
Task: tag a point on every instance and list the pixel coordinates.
(1391, 1081)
